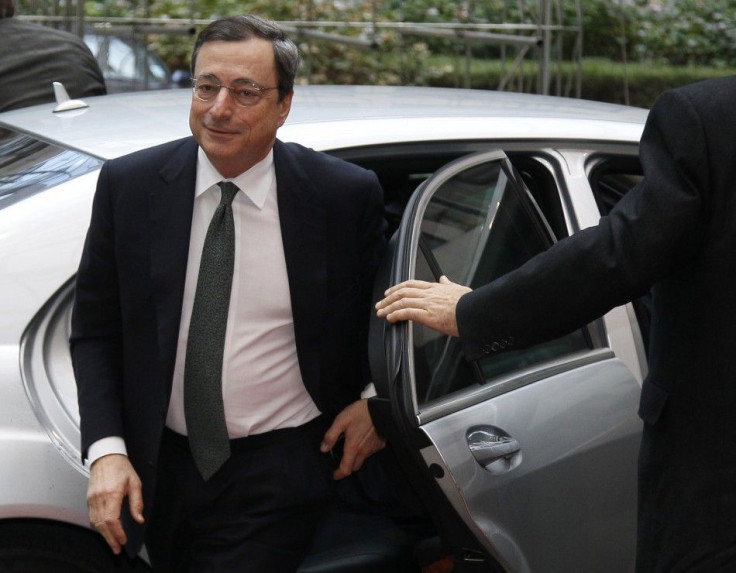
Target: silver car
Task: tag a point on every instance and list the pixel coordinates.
(525, 461)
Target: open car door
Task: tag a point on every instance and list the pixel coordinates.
(525, 460)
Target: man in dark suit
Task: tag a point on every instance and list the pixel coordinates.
(675, 232)
(301, 235)
(34, 56)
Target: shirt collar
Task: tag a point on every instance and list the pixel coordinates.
(255, 183)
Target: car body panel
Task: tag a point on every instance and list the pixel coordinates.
(560, 477)
(36, 477)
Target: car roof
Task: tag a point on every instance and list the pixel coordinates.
(333, 117)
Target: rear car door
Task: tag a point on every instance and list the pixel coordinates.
(526, 459)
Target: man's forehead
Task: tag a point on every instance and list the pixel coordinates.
(257, 46)
(254, 54)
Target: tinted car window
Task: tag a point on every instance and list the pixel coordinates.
(128, 65)
(480, 224)
(28, 165)
(610, 179)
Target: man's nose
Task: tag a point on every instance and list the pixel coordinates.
(223, 103)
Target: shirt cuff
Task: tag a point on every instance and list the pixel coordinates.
(106, 447)
(369, 391)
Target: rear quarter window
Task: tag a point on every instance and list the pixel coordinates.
(29, 165)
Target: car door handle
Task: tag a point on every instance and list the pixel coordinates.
(489, 444)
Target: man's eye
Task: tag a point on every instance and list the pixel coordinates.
(245, 93)
(206, 88)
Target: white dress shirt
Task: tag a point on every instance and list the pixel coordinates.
(262, 385)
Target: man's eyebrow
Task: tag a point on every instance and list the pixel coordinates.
(247, 81)
(239, 81)
(208, 77)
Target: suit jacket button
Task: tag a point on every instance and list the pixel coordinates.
(486, 349)
(495, 347)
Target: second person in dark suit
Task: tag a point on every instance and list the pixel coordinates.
(35, 56)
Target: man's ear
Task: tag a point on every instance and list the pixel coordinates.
(285, 107)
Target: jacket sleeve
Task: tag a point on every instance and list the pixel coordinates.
(657, 226)
(96, 338)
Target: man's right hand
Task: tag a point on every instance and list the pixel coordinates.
(431, 304)
(111, 479)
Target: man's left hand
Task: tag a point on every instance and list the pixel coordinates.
(361, 439)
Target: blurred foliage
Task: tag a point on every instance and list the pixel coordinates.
(602, 78)
(692, 32)
(676, 32)
(679, 32)
(648, 35)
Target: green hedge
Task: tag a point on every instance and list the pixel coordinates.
(602, 80)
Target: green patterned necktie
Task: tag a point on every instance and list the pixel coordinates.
(203, 404)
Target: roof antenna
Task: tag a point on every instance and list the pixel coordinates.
(63, 101)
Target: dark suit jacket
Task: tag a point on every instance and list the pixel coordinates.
(130, 284)
(34, 56)
(675, 232)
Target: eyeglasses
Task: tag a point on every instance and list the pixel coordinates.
(245, 93)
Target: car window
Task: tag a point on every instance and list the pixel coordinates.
(28, 165)
(480, 223)
(128, 62)
(611, 177)
(401, 168)
(119, 59)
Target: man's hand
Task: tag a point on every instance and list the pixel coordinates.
(361, 438)
(430, 304)
(112, 478)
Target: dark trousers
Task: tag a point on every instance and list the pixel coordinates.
(257, 514)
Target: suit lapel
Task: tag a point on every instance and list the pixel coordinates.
(304, 234)
(171, 205)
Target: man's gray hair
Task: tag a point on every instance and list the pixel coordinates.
(246, 27)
